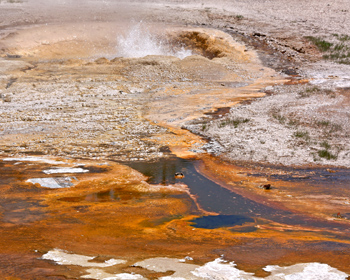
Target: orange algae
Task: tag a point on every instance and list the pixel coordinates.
(137, 221)
(116, 213)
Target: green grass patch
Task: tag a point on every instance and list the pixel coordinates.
(313, 89)
(281, 119)
(302, 134)
(339, 47)
(233, 122)
(344, 61)
(323, 123)
(316, 90)
(326, 154)
(321, 44)
(293, 122)
(303, 94)
(337, 51)
(325, 145)
(335, 128)
(309, 91)
(344, 38)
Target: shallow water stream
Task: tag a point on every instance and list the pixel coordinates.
(213, 198)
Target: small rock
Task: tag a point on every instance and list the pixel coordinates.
(266, 186)
(102, 60)
(338, 215)
(179, 175)
(7, 98)
(331, 171)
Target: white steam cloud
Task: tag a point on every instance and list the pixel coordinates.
(140, 42)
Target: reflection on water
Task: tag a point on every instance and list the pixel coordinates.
(21, 211)
(218, 221)
(214, 198)
(110, 196)
(114, 195)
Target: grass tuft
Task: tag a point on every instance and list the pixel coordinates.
(321, 44)
(344, 38)
(316, 90)
(335, 127)
(338, 51)
(302, 134)
(281, 119)
(293, 122)
(323, 123)
(233, 122)
(326, 154)
(325, 145)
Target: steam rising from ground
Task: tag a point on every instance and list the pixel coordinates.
(140, 42)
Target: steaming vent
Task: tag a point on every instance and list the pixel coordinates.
(96, 40)
(140, 42)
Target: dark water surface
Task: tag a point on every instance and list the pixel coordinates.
(218, 221)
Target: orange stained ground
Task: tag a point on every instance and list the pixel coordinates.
(115, 213)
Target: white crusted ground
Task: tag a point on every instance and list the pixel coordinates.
(296, 125)
(217, 269)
